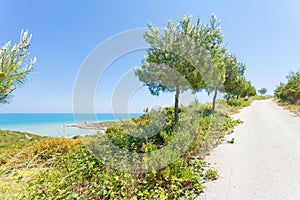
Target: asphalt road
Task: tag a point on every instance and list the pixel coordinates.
(264, 161)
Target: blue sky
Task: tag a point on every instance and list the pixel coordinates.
(263, 34)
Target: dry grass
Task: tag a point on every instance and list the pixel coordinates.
(36, 156)
(232, 110)
(291, 107)
(11, 143)
(47, 148)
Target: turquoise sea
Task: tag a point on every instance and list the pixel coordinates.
(54, 124)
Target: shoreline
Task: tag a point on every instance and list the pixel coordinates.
(102, 126)
(62, 130)
(59, 125)
(85, 126)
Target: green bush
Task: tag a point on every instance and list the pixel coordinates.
(239, 103)
(290, 92)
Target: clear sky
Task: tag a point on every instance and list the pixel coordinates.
(263, 34)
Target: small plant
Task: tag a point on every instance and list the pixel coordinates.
(211, 175)
(231, 141)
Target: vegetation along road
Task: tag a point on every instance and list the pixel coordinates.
(264, 162)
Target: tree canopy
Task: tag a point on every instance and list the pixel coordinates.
(188, 55)
(262, 91)
(179, 56)
(14, 66)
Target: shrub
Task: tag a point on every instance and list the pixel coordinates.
(240, 103)
(290, 92)
(211, 174)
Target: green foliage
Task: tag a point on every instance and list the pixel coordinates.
(290, 92)
(184, 56)
(231, 141)
(11, 143)
(239, 103)
(248, 89)
(61, 168)
(234, 72)
(190, 55)
(253, 98)
(46, 148)
(14, 66)
(37, 156)
(211, 174)
(233, 105)
(262, 91)
(235, 83)
(79, 175)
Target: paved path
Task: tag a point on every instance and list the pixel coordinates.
(264, 162)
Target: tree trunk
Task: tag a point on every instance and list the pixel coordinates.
(214, 101)
(176, 106)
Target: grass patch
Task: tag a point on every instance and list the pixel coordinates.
(234, 105)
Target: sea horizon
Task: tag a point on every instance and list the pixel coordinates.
(53, 124)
